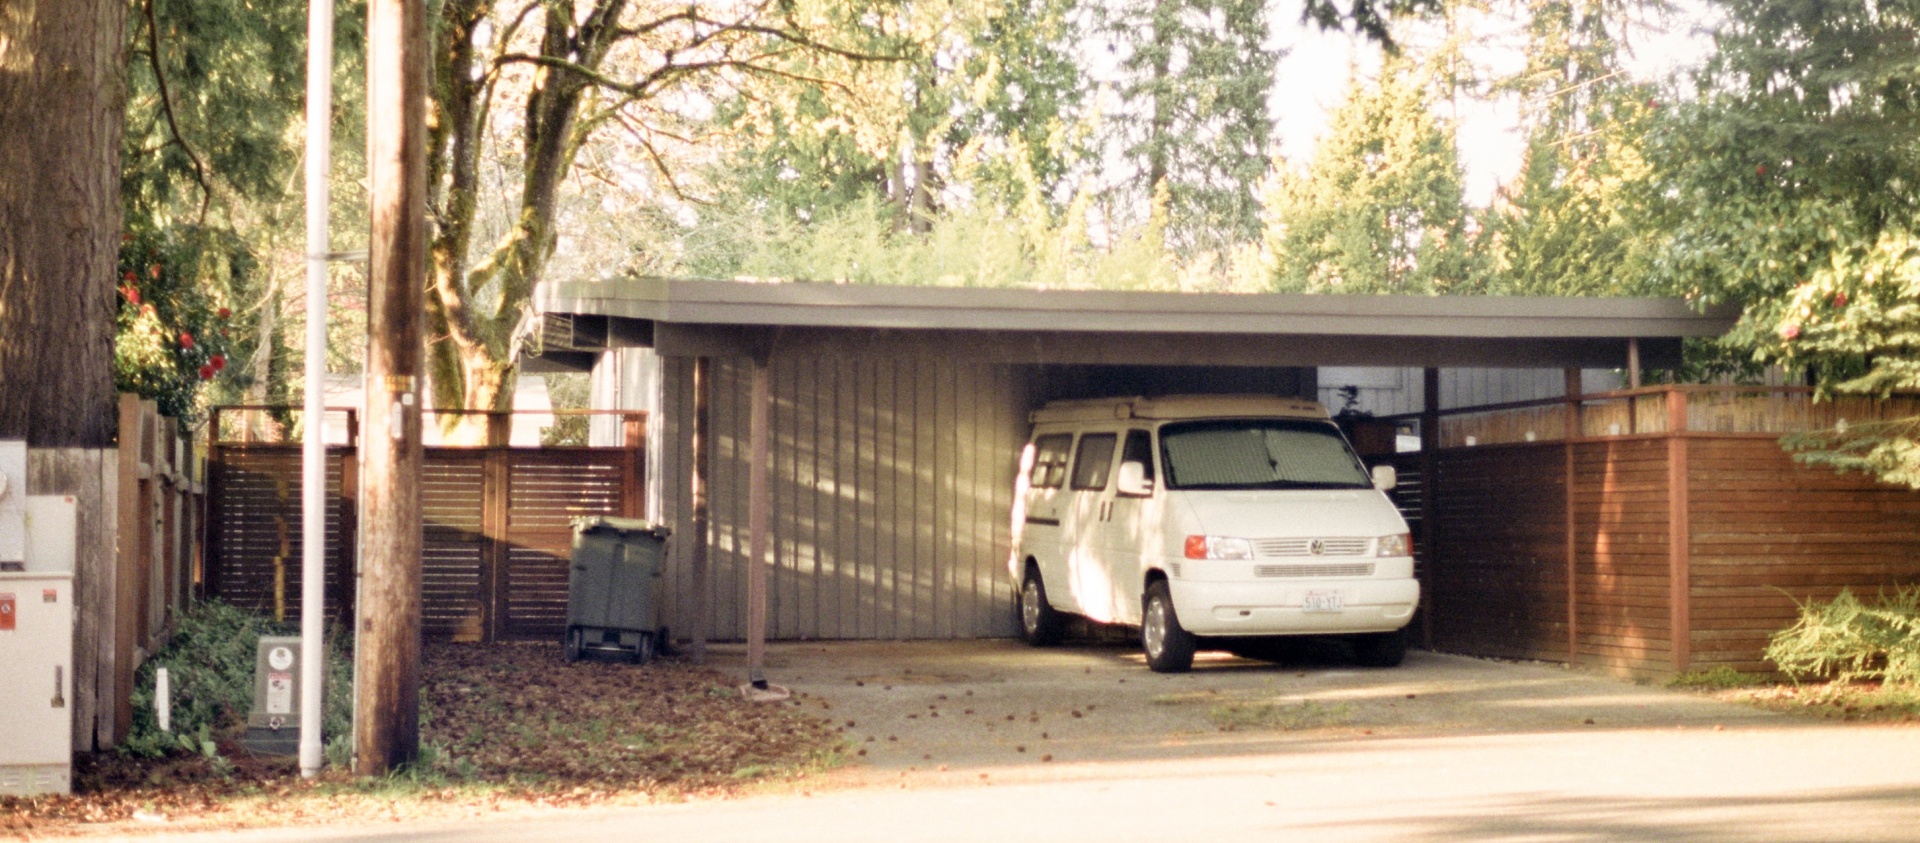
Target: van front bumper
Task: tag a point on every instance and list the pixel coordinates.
(1270, 608)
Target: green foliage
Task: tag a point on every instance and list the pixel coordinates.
(1716, 679)
(1190, 119)
(1845, 639)
(967, 247)
(1380, 209)
(173, 328)
(210, 663)
(209, 158)
(1796, 191)
(1578, 222)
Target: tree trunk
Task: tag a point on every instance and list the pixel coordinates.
(62, 88)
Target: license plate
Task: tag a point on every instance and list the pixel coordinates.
(1324, 601)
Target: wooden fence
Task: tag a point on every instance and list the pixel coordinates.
(1672, 533)
(137, 508)
(498, 523)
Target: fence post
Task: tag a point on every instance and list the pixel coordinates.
(1679, 533)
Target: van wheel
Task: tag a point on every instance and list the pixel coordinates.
(1040, 624)
(1380, 649)
(1169, 647)
(574, 634)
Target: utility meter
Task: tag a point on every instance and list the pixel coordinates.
(273, 727)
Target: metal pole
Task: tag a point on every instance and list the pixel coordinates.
(313, 470)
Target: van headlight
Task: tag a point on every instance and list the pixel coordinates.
(1399, 544)
(1218, 547)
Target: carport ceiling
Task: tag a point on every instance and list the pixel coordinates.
(689, 318)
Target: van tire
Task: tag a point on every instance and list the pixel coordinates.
(1380, 649)
(1168, 645)
(1040, 624)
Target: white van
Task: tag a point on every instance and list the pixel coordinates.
(1236, 516)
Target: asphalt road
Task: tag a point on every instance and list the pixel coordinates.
(1083, 743)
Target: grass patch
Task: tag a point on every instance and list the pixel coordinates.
(1852, 701)
(1279, 716)
(1718, 679)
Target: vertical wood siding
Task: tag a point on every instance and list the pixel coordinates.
(892, 483)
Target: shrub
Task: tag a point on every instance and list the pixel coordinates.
(1846, 639)
(209, 664)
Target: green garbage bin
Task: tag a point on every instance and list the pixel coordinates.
(612, 604)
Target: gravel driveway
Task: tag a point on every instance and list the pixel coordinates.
(932, 711)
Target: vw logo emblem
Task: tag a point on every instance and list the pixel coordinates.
(1317, 547)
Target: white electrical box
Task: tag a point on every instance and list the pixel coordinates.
(37, 543)
(36, 700)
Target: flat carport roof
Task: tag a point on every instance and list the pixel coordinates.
(694, 318)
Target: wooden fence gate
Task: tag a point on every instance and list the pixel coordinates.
(498, 527)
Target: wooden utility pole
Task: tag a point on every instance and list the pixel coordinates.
(387, 659)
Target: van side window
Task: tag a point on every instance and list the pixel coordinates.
(1139, 448)
(1050, 461)
(1093, 461)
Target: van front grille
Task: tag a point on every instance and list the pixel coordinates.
(1306, 547)
(1354, 569)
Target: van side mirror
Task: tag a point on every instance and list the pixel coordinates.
(1133, 480)
(1385, 478)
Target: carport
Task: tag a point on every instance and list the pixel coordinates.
(860, 442)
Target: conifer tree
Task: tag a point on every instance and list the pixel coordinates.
(1379, 209)
(1190, 115)
(1576, 222)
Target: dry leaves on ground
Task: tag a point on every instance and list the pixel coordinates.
(503, 726)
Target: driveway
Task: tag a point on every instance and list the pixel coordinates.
(1015, 712)
(994, 741)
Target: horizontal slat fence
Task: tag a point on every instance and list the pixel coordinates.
(1688, 547)
(497, 531)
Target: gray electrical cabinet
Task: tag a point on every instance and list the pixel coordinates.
(273, 725)
(612, 592)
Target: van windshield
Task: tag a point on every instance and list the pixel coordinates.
(1259, 454)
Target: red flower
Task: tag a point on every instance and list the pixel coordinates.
(129, 277)
(1791, 331)
(224, 313)
(154, 271)
(1760, 170)
(1840, 299)
(218, 362)
(206, 372)
(132, 294)
(186, 340)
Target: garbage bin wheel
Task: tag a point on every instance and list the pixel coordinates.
(643, 651)
(574, 636)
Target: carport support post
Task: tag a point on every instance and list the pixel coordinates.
(758, 503)
(701, 448)
(1429, 443)
(1571, 431)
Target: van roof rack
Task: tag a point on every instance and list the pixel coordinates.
(1177, 407)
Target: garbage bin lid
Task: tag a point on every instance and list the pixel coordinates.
(587, 523)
